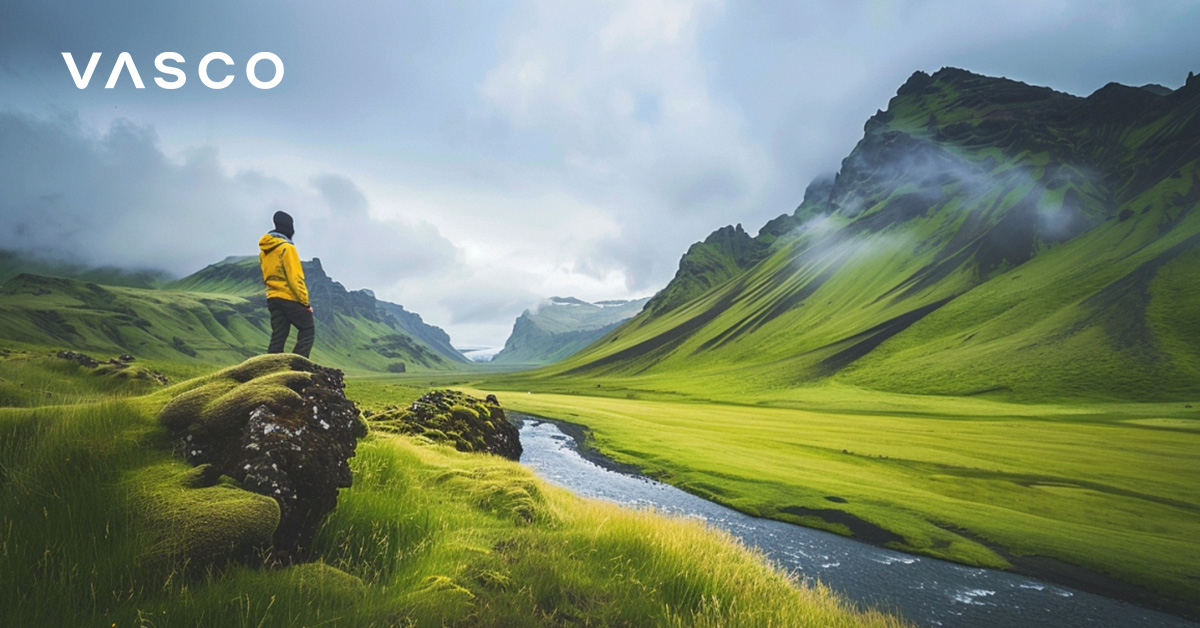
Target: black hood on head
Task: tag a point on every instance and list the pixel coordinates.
(283, 224)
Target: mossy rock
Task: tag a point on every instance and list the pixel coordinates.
(279, 425)
(453, 417)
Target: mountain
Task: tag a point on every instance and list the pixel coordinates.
(984, 236)
(560, 327)
(13, 264)
(218, 315)
(241, 275)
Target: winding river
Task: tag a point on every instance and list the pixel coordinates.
(926, 591)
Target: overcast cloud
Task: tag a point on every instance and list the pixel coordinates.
(467, 159)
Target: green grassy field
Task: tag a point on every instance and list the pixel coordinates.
(98, 527)
(1109, 488)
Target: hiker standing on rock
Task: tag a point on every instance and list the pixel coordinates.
(287, 296)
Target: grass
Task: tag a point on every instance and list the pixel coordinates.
(1106, 487)
(32, 376)
(98, 527)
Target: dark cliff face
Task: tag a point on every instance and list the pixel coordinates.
(722, 255)
(432, 335)
(330, 297)
(334, 298)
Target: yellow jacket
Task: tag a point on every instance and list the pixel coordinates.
(281, 269)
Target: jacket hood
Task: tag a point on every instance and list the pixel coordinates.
(272, 241)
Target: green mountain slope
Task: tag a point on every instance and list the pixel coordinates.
(241, 276)
(237, 275)
(562, 326)
(215, 316)
(983, 236)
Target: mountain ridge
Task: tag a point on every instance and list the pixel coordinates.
(963, 183)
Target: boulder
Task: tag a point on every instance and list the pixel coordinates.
(451, 416)
(280, 426)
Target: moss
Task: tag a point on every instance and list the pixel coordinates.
(195, 520)
(251, 369)
(229, 411)
(227, 397)
(468, 423)
(182, 410)
(259, 366)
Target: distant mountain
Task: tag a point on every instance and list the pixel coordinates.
(560, 327)
(984, 236)
(13, 264)
(218, 315)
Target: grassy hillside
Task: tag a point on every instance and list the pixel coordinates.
(237, 275)
(196, 327)
(217, 316)
(985, 237)
(562, 326)
(101, 524)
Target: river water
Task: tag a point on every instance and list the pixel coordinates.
(926, 591)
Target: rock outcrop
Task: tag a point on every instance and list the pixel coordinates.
(450, 416)
(120, 367)
(279, 425)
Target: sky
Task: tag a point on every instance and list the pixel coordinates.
(470, 159)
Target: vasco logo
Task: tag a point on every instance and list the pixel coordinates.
(125, 63)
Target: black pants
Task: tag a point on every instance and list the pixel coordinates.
(284, 314)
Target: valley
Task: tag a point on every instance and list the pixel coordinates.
(977, 341)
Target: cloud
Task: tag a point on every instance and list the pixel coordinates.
(619, 91)
(341, 194)
(114, 197)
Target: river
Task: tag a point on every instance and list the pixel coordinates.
(926, 591)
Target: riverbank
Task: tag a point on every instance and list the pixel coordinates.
(923, 590)
(1019, 488)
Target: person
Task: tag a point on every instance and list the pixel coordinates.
(287, 296)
